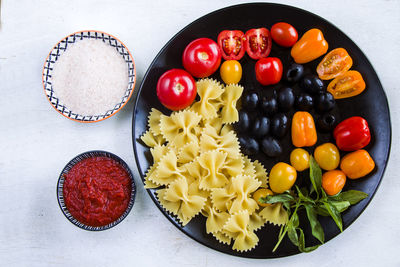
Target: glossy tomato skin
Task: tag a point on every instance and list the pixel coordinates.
(268, 70)
(282, 177)
(231, 44)
(201, 57)
(284, 34)
(352, 134)
(176, 89)
(258, 43)
(231, 71)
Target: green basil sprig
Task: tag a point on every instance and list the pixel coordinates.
(315, 202)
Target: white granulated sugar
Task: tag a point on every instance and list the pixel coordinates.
(90, 77)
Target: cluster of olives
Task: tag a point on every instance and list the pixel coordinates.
(264, 121)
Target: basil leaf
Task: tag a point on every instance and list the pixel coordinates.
(292, 234)
(295, 220)
(287, 206)
(335, 214)
(301, 246)
(316, 227)
(339, 205)
(303, 197)
(315, 176)
(353, 196)
(276, 199)
(321, 210)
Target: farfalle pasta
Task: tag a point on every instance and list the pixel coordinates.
(179, 128)
(198, 168)
(210, 92)
(230, 96)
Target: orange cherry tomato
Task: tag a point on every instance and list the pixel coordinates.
(311, 45)
(334, 64)
(333, 182)
(357, 164)
(347, 85)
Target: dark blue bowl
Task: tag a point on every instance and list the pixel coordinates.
(60, 186)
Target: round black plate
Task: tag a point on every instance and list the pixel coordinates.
(371, 104)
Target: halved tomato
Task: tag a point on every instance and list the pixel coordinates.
(334, 64)
(231, 44)
(258, 43)
(349, 84)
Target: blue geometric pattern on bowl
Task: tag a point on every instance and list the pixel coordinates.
(60, 48)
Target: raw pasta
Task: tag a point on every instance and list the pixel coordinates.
(198, 168)
(230, 96)
(210, 92)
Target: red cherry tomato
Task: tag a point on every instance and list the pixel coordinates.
(269, 70)
(176, 89)
(231, 44)
(201, 57)
(258, 43)
(284, 34)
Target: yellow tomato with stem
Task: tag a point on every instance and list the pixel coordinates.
(231, 71)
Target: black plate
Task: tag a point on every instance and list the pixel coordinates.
(371, 104)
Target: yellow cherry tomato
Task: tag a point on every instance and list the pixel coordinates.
(262, 192)
(327, 156)
(282, 177)
(231, 71)
(299, 159)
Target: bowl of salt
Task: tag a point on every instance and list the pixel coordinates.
(89, 76)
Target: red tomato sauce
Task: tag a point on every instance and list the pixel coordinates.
(97, 191)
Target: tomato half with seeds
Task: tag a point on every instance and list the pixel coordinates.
(201, 57)
(347, 85)
(258, 43)
(334, 64)
(176, 89)
(231, 44)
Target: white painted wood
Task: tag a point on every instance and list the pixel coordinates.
(36, 142)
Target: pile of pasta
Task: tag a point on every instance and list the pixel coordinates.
(198, 168)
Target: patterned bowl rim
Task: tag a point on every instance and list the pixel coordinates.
(123, 103)
(60, 186)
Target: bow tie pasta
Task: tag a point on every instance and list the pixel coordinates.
(198, 168)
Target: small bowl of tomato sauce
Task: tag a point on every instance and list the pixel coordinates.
(96, 190)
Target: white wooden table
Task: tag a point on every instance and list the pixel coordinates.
(36, 142)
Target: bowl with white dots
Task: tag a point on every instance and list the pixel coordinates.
(89, 76)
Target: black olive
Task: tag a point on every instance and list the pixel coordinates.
(249, 145)
(271, 147)
(312, 84)
(279, 125)
(324, 102)
(250, 101)
(294, 73)
(304, 101)
(326, 122)
(285, 98)
(244, 122)
(269, 105)
(260, 127)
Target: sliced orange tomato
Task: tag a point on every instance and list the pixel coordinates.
(334, 64)
(347, 85)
